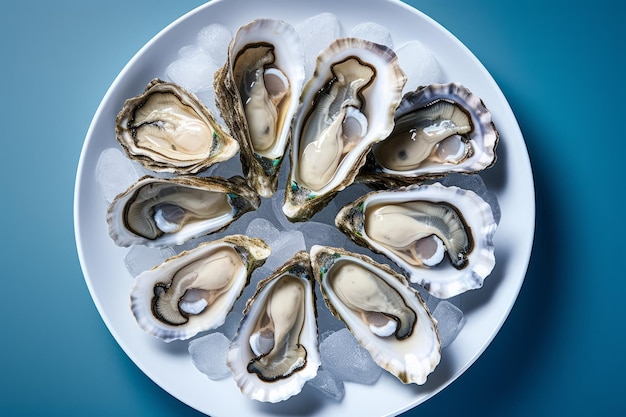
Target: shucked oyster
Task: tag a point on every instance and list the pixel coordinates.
(439, 129)
(257, 92)
(441, 236)
(168, 129)
(275, 350)
(384, 313)
(347, 106)
(161, 212)
(195, 290)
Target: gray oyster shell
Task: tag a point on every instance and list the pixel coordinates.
(385, 314)
(257, 92)
(275, 350)
(167, 129)
(439, 129)
(169, 211)
(194, 291)
(456, 225)
(346, 107)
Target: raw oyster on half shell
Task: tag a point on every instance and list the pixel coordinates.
(346, 107)
(441, 236)
(169, 211)
(386, 315)
(167, 129)
(439, 129)
(257, 93)
(195, 290)
(275, 350)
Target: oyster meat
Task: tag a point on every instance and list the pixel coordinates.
(257, 93)
(439, 129)
(417, 226)
(275, 350)
(163, 212)
(346, 107)
(167, 129)
(195, 290)
(384, 313)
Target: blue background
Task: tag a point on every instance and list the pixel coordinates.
(559, 63)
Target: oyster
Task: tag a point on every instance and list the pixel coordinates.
(417, 226)
(162, 212)
(346, 107)
(195, 290)
(257, 93)
(167, 129)
(439, 129)
(275, 350)
(384, 313)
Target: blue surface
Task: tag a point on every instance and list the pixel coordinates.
(561, 66)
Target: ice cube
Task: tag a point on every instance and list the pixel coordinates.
(142, 258)
(193, 243)
(347, 360)
(457, 301)
(229, 328)
(239, 226)
(277, 208)
(266, 211)
(207, 97)
(208, 354)
(450, 321)
(259, 274)
(373, 32)
(288, 243)
(114, 173)
(214, 40)
(263, 229)
(193, 70)
(328, 384)
(476, 184)
(431, 301)
(316, 233)
(419, 64)
(189, 51)
(317, 33)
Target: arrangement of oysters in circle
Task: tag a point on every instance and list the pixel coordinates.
(348, 122)
(167, 129)
(195, 290)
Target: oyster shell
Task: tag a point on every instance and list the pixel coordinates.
(346, 107)
(441, 236)
(257, 93)
(167, 129)
(439, 129)
(162, 212)
(195, 290)
(275, 350)
(386, 315)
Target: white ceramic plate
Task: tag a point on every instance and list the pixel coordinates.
(485, 310)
